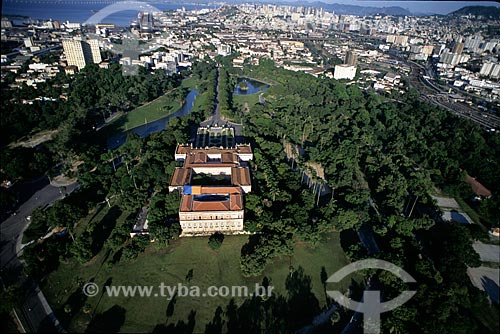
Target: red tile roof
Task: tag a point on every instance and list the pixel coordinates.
(211, 206)
(189, 204)
(181, 176)
(477, 187)
(240, 176)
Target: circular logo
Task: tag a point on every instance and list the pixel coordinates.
(90, 289)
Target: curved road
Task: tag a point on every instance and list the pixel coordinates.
(37, 314)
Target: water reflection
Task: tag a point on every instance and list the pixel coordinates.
(246, 86)
(155, 126)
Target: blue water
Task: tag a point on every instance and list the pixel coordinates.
(253, 87)
(155, 126)
(80, 11)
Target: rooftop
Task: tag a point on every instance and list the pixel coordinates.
(210, 202)
(477, 187)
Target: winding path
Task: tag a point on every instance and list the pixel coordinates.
(36, 312)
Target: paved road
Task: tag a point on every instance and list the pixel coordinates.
(446, 202)
(36, 311)
(216, 117)
(488, 253)
(486, 279)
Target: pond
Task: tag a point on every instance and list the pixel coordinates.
(155, 126)
(245, 86)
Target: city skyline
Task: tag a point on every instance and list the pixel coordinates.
(251, 144)
(415, 7)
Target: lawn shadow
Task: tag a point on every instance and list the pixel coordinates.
(109, 321)
(302, 303)
(180, 327)
(217, 324)
(103, 291)
(117, 256)
(171, 306)
(274, 313)
(103, 229)
(324, 278)
(75, 302)
(189, 275)
(347, 238)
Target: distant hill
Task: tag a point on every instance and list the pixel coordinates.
(488, 11)
(358, 10)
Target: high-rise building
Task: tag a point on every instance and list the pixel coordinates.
(351, 58)
(458, 48)
(473, 42)
(6, 23)
(28, 42)
(495, 72)
(401, 40)
(145, 22)
(486, 69)
(427, 49)
(80, 53)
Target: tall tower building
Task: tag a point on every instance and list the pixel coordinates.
(81, 53)
(351, 58)
(458, 48)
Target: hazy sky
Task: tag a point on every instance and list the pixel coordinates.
(428, 7)
(438, 7)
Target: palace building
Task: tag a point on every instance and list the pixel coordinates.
(212, 183)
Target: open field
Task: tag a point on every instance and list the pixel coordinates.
(251, 99)
(172, 266)
(149, 112)
(191, 83)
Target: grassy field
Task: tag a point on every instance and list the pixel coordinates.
(172, 266)
(251, 99)
(149, 112)
(191, 83)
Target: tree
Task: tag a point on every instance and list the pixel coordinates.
(81, 248)
(137, 245)
(215, 240)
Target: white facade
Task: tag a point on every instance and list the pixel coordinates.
(224, 50)
(486, 69)
(80, 53)
(495, 72)
(211, 221)
(344, 72)
(95, 53)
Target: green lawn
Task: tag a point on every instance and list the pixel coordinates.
(191, 83)
(149, 112)
(251, 99)
(171, 266)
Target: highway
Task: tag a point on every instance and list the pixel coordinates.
(431, 93)
(36, 315)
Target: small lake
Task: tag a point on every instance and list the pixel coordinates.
(253, 86)
(155, 126)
